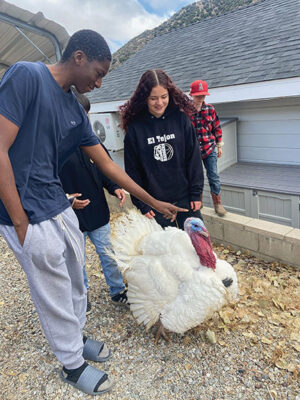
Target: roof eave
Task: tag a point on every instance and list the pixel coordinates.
(289, 87)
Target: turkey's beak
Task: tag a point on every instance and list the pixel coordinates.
(203, 233)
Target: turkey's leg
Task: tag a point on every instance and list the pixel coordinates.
(161, 332)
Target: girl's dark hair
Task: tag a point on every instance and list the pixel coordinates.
(90, 42)
(137, 104)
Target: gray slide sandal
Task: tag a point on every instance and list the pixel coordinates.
(88, 380)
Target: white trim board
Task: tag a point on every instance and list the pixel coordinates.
(256, 91)
(252, 91)
(109, 106)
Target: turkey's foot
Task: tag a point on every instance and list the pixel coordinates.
(161, 331)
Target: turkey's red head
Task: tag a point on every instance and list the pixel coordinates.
(200, 239)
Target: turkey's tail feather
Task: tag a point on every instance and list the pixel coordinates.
(128, 230)
(139, 306)
(146, 293)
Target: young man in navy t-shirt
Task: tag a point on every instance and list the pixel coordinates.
(41, 124)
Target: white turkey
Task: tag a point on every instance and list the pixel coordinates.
(174, 277)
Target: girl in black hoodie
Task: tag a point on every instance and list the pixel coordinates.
(160, 148)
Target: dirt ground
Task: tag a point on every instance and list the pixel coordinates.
(248, 351)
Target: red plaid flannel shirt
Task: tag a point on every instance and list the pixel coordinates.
(208, 128)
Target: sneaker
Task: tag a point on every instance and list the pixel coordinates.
(88, 305)
(120, 298)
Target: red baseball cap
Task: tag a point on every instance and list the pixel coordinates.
(199, 88)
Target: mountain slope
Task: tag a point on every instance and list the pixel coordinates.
(186, 16)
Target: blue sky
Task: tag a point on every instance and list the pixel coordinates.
(163, 7)
(117, 20)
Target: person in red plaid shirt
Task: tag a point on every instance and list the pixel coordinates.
(209, 135)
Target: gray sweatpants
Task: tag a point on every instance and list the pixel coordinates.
(53, 257)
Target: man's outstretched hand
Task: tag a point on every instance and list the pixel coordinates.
(168, 210)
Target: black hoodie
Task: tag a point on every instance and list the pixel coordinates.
(162, 155)
(80, 175)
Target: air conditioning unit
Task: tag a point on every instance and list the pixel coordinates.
(106, 127)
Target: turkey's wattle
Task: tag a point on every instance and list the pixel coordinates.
(200, 239)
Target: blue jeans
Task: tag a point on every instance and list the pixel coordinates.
(210, 164)
(101, 239)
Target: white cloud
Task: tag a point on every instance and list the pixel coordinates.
(117, 20)
(168, 5)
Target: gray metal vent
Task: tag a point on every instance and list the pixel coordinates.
(99, 130)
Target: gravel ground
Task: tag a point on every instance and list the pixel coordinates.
(249, 351)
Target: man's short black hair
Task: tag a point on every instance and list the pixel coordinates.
(91, 43)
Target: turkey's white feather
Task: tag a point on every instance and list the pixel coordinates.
(165, 278)
(128, 232)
